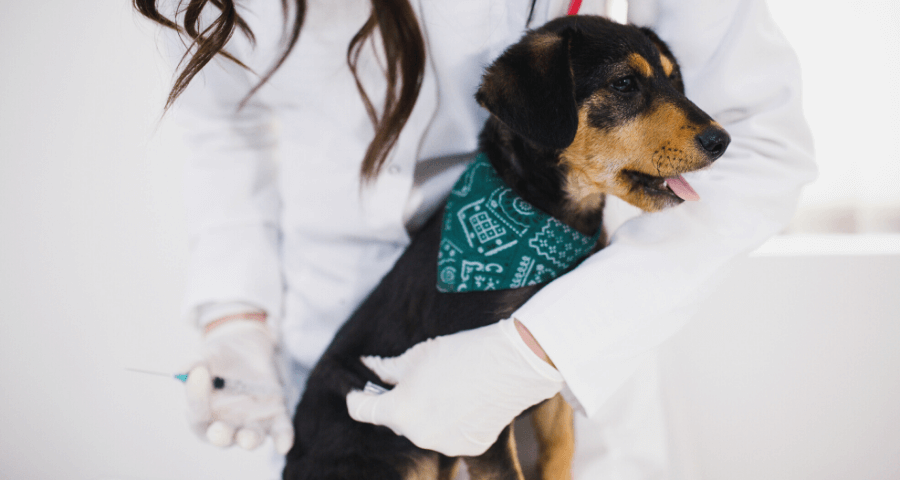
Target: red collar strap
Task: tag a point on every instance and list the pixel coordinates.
(574, 5)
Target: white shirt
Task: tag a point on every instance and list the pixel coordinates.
(279, 220)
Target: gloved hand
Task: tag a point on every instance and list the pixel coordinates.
(252, 404)
(455, 394)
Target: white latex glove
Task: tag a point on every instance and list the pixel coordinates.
(455, 394)
(243, 353)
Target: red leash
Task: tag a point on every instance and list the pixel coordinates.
(574, 5)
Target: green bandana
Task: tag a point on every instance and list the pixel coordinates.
(492, 239)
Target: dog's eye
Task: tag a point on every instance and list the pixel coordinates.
(625, 84)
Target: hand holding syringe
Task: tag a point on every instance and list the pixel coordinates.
(217, 429)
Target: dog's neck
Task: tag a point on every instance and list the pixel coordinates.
(535, 174)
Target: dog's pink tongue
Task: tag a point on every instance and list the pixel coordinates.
(681, 188)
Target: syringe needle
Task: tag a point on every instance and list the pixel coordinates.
(148, 372)
(179, 376)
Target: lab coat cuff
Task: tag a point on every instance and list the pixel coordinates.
(212, 312)
(590, 381)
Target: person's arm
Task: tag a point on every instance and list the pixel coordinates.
(531, 342)
(230, 185)
(234, 276)
(597, 322)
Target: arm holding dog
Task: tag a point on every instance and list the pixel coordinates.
(597, 321)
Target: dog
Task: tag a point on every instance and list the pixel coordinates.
(580, 108)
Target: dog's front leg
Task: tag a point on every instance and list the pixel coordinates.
(554, 431)
(500, 462)
(447, 467)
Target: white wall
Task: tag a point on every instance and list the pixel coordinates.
(790, 370)
(92, 248)
(789, 373)
(850, 54)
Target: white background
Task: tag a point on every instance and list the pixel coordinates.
(850, 54)
(789, 372)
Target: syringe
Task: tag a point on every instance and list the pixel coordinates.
(220, 383)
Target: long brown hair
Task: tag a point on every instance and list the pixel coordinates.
(404, 49)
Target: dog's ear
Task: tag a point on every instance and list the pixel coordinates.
(531, 90)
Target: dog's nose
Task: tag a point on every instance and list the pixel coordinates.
(714, 141)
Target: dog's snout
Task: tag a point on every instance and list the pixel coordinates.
(714, 141)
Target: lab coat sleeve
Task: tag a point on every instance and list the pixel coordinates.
(231, 192)
(598, 322)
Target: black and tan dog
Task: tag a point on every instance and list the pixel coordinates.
(580, 108)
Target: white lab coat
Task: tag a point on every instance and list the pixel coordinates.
(279, 222)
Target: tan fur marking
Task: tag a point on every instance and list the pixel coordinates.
(658, 143)
(639, 63)
(667, 64)
(542, 47)
(490, 467)
(514, 452)
(554, 431)
(545, 40)
(449, 473)
(424, 468)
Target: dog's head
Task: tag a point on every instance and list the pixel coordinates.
(609, 101)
